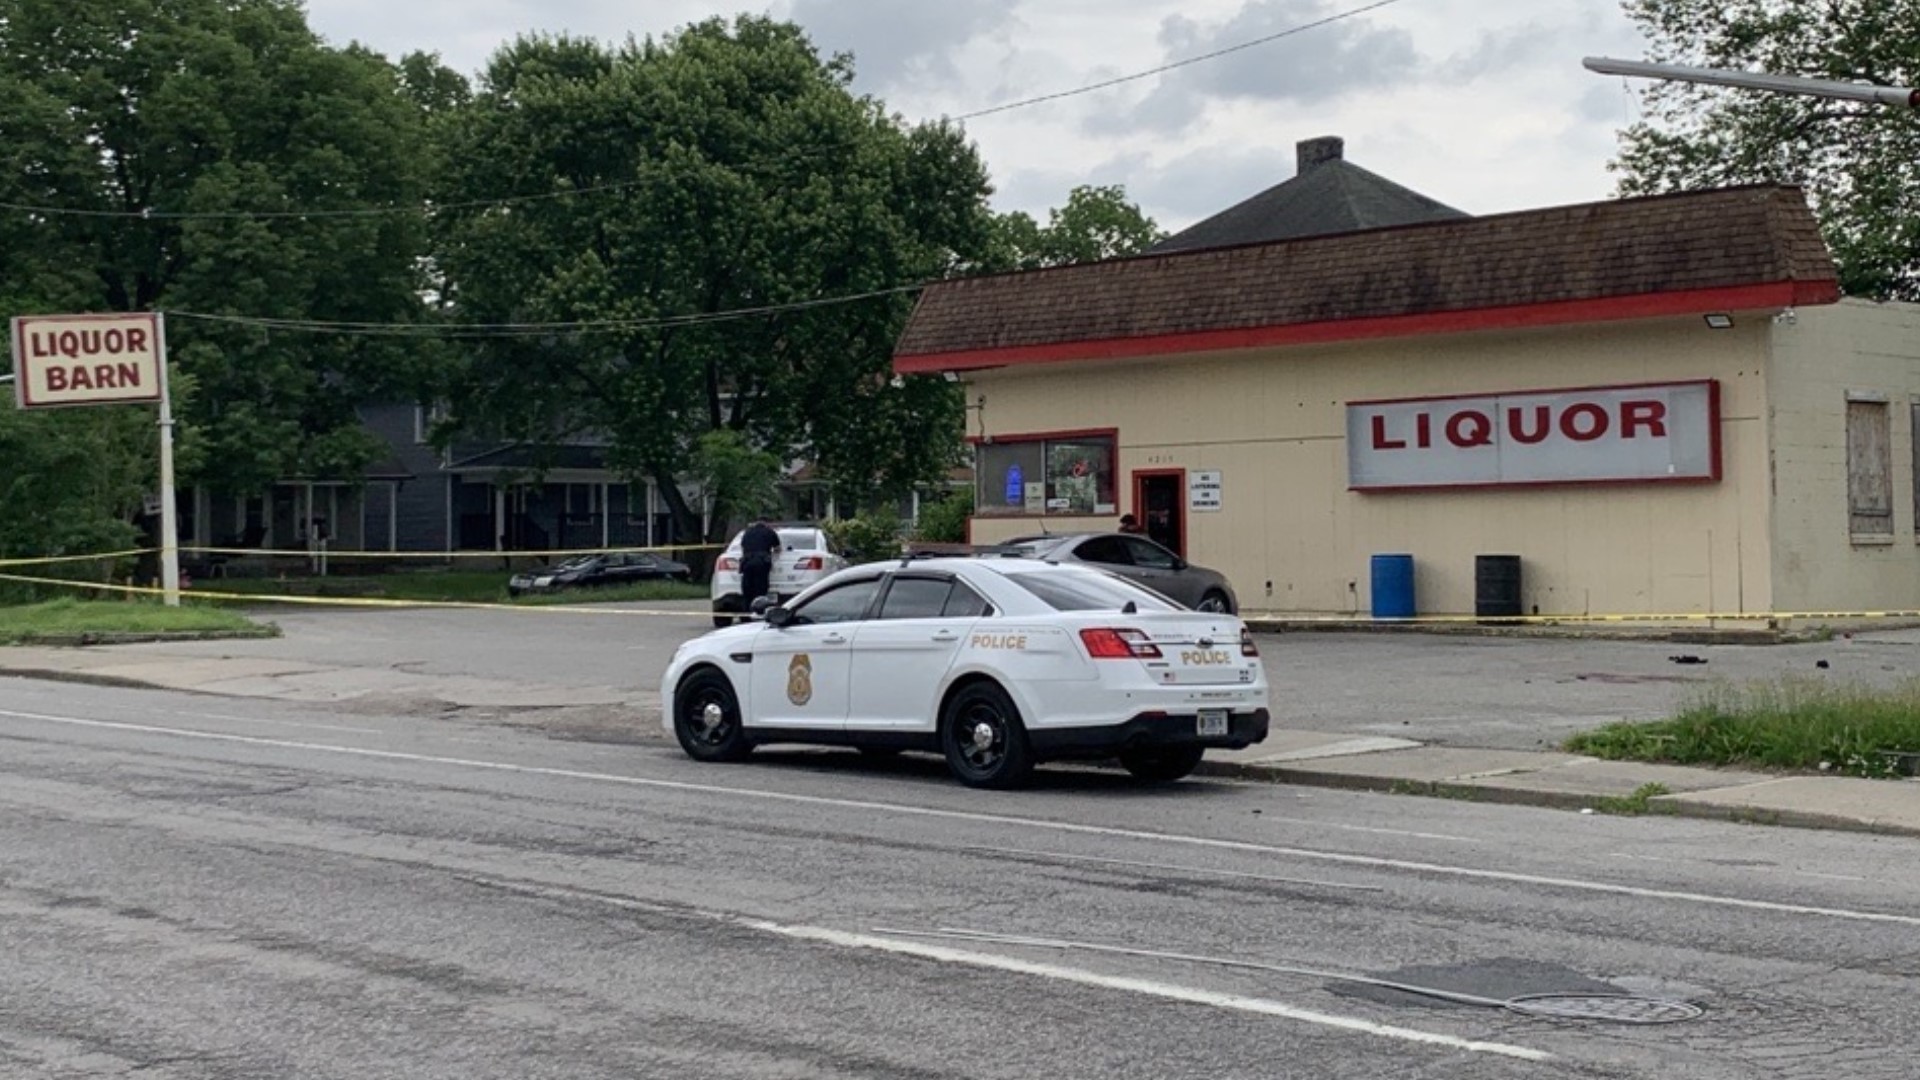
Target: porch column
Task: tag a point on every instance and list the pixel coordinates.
(499, 518)
(393, 515)
(606, 518)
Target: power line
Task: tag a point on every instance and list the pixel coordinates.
(355, 212)
(535, 329)
(430, 208)
(1178, 64)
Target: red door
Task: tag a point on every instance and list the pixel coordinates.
(1157, 502)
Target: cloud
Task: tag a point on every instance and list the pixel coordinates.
(896, 42)
(1310, 67)
(1175, 193)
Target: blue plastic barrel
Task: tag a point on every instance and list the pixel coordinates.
(1393, 587)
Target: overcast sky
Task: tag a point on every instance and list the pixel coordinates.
(1481, 104)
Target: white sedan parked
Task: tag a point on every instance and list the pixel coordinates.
(806, 556)
(996, 663)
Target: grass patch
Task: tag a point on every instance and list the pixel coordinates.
(444, 586)
(1789, 724)
(26, 623)
(1640, 801)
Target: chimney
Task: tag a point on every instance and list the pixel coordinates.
(1312, 152)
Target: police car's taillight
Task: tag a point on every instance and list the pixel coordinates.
(811, 562)
(729, 563)
(1247, 647)
(1108, 644)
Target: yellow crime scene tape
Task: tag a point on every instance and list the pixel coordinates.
(1291, 620)
(58, 559)
(356, 601)
(335, 553)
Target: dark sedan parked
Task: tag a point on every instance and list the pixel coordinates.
(593, 571)
(1137, 559)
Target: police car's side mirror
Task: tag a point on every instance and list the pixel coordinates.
(779, 617)
(761, 604)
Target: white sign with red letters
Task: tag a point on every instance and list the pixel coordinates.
(86, 359)
(1657, 432)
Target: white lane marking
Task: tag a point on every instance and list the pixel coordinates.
(948, 955)
(275, 723)
(1201, 870)
(1150, 987)
(1342, 858)
(1771, 868)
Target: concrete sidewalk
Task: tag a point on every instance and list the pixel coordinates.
(1290, 755)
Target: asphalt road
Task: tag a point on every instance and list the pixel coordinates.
(198, 887)
(1502, 692)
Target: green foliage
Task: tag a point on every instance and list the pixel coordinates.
(70, 481)
(1861, 164)
(945, 521)
(741, 482)
(1790, 724)
(69, 617)
(205, 107)
(868, 537)
(743, 174)
(1096, 223)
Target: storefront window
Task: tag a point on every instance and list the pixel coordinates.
(1046, 476)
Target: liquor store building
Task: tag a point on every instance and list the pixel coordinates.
(1660, 405)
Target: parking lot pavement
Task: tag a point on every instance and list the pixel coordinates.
(1479, 717)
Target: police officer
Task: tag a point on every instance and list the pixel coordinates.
(757, 546)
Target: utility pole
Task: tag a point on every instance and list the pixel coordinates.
(1867, 93)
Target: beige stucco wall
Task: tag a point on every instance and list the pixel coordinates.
(1292, 537)
(1819, 358)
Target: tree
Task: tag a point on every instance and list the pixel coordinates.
(205, 108)
(725, 168)
(1860, 164)
(1096, 223)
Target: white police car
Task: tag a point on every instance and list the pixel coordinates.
(996, 663)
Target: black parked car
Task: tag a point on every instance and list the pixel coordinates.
(591, 571)
(1138, 559)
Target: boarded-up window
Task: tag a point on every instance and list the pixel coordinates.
(1869, 469)
(1913, 437)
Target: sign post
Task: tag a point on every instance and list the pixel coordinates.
(62, 361)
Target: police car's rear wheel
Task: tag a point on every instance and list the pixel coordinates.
(706, 719)
(985, 743)
(1163, 765)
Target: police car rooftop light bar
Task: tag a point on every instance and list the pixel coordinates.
(1897, 96)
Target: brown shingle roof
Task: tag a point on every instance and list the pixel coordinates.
(1713, 240)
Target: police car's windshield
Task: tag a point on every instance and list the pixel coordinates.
(1076, 590)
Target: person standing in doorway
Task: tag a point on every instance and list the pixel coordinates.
(757, 547)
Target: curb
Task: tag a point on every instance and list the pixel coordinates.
(83, 638)
(1659, 805)
(1675, 636)
(85, 678)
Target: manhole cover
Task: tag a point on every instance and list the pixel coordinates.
(1611, 1008)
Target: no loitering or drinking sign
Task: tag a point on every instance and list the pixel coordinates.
(62, 360)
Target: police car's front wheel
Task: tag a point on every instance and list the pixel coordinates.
(706, 718)
(984, 740)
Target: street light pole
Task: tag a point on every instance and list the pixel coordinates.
(1866, 93)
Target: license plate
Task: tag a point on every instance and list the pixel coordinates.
(1213, 722)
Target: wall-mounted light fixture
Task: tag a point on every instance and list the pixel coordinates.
(1719, 321)
(950, 376)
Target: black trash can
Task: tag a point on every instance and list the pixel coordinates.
(1496, 586)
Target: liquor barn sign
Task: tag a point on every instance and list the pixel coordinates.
(86, 360)
(1658, 432)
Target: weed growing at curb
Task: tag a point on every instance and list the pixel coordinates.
(1794, 723)
(1639, 802)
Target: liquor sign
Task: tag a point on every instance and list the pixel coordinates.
(1657, 432)
(61, 360)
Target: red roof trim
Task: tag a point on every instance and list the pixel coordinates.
(1609, 309)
